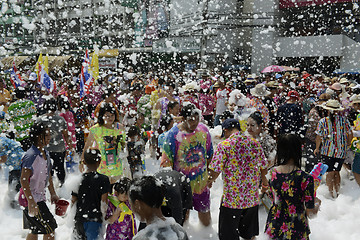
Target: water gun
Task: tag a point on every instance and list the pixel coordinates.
(317, 172)
(125, 210)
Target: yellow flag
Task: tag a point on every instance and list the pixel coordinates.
(38, 63)
(94, 65)
(46, 64)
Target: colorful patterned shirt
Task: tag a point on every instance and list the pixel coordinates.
(189, 153)
(109, 142)
(13, 151)
(206, 104)
(123, 230)
(240, 158)
(22, 115)
(334, 136)
(260, 106)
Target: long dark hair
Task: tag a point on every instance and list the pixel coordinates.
(289, 147)
(107, 107)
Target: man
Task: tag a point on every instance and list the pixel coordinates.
(241, 160)
(290, 116)
(5, 97)
(222, 96)
(188, 149)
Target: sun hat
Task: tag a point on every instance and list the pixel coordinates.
(352, 85)
(336, 86)
(250, 78)
(230, 123)
(272, 84)
(259, 90)
(343, 81)
(327, 80)
(332, 105)
(355, 99)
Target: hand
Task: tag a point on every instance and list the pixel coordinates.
(316, 152)
(117, 212)
(54, 198)
(264, 188)
(33, 208)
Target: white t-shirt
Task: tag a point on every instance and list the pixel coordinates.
(221, 98)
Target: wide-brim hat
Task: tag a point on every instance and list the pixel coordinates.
(355, 99)
(332, 105)
(272, 84)
(260, 91)
(336, 87)
(343, 81)
(327, 80)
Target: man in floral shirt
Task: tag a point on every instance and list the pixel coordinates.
(242, 161)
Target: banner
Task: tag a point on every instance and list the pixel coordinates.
(304, 3)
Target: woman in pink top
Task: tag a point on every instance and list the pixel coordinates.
(67, 114)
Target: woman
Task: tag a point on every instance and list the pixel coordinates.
(108, 136)
(293, 190)
(315, 115)
(256, 129)
(334, 135)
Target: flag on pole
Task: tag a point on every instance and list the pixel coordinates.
(15, 77)
(94, 67)
(37, 66)
(86, 77)
(45, 80)
(46, 64)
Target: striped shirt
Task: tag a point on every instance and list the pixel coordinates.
(334, 136)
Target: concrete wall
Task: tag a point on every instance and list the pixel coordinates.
(351, 55)
(311, 46)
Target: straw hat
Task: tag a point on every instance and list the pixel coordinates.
(352, 85)
(343, 81)
(336, 87)
(272, 84)
(332, 105)
(259, 90)
(355, 99)
(327, 80)
(250, 79)
(293, 75)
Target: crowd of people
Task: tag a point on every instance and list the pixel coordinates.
(275, 129)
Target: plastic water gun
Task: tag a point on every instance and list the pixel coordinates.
(317, 172)
(125, 210)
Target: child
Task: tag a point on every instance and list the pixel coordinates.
(166, 123)
(121, 220)
(67, 114)
(146, 197)
(35, 176)
(90, 198)
(11, 154)
(136, 149)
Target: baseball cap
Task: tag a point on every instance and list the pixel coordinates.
(230, 123)
(293, 94)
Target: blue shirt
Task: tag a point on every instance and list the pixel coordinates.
(14, 152)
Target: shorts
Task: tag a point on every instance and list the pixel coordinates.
(238, 222)
(335, 164)
(87, 230)
(201, 202)
(43, 223)
(356, 163)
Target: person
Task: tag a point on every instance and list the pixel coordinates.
(174, 111)
(188, 149)
(136, 151)
(35, 177)
(146, 197)
(67, 113)
(91, 195)
(315, 114)
(355, 144)
(334, 136)
(242, 162)
(121, 224)
(166, 123)
(22, 114)
(5, 97)
(259, 93)
(256, 129)
(109, 138)
(11, 154)
(178, 196)
(290, 116)
(59, 133)
(293, 191)
(222, 95)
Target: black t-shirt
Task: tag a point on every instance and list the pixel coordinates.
(178, 193)
(92, 187)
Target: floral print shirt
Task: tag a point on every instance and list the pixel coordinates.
(292, 193)
(260, 106)
(240, 159)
